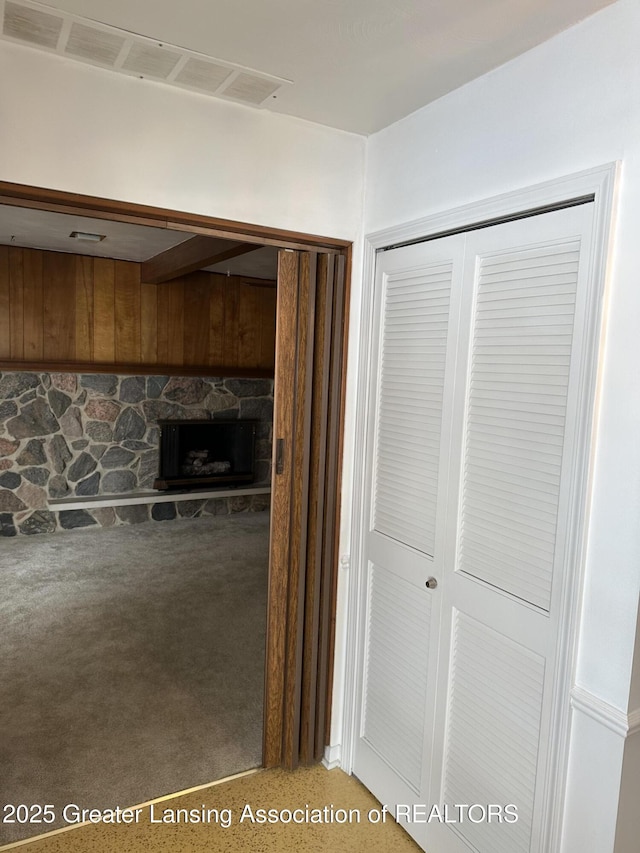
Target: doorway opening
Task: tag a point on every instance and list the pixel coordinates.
(170, 292)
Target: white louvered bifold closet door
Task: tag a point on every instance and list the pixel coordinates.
(416, 292)
(523, 317)
(477, 362)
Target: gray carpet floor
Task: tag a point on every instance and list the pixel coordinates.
(131, 661)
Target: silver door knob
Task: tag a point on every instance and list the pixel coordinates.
(431, 583)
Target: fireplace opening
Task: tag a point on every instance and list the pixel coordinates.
(206, 453)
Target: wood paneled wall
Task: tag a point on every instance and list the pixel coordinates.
(57, 308)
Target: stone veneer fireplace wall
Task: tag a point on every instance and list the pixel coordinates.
(84, 435)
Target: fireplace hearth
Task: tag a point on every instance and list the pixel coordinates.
(196, 453)
(81, 450)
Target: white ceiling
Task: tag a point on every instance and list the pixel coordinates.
(358, 65)
(263, 263)
(40, 229)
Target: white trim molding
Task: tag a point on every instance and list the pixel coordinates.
(598, 182)
(604, 713)
(332, 756)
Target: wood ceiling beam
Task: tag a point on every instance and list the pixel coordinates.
(191, 255)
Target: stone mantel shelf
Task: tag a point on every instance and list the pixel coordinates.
(137, 368)
(152, 497)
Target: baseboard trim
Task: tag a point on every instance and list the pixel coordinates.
(332, 756)
(603, 712)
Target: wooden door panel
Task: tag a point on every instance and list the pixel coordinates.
(283, 420)
(307, 407)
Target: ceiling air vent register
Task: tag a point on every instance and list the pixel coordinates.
(34, 26)
(81, 39)
(94, 45)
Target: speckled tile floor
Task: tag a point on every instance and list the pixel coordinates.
(235, 804)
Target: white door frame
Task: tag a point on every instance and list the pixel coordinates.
(600, 184)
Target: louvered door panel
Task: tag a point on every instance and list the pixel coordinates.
(516, 407)
(412, 359)
(396, 674)
(415, 315)
(491, 754)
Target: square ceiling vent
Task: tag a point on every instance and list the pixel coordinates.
(94, 45)
(30, 25)
(81, 39)
(252, 90)
(150, 60)
(203, 75)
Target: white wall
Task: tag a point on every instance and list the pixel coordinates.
(570, 104)
(73, 127)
